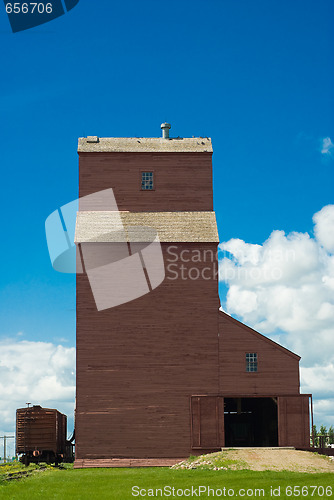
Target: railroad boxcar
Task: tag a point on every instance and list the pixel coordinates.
(41, 435)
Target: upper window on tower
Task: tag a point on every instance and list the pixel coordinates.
(147, 181)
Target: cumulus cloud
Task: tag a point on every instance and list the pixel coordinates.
(323, 229)
(284, 288)
(327, 146)
(35, 372)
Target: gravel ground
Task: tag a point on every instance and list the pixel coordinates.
(280, 459)
(259, 459)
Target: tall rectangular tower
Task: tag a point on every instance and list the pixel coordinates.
(140, 362)
(161, 374)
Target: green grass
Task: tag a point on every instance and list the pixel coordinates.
(13, 468)
(117, 484)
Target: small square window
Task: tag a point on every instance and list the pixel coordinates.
(147, 181)
(251, 362)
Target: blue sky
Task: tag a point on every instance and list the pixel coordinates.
(255, 76)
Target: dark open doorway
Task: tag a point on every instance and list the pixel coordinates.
(250, 422)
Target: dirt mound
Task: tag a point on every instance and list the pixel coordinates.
(275, 459)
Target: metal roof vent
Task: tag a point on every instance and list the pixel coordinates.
(165, 130)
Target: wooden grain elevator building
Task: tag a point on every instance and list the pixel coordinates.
(168, 374)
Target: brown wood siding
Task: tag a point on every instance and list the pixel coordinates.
(139, 363)
(278, 370)
(207, 422)
(183, 181)
(40, 429)
(293, 421)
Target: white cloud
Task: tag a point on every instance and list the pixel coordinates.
(327, 146)
(323, 409)
(35, 372)
(323, 228)
(284, 289)
(319, 379)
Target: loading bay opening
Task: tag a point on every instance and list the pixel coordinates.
(250, 422)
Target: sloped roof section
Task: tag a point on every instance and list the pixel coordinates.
(93, 144)
(102, 226)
